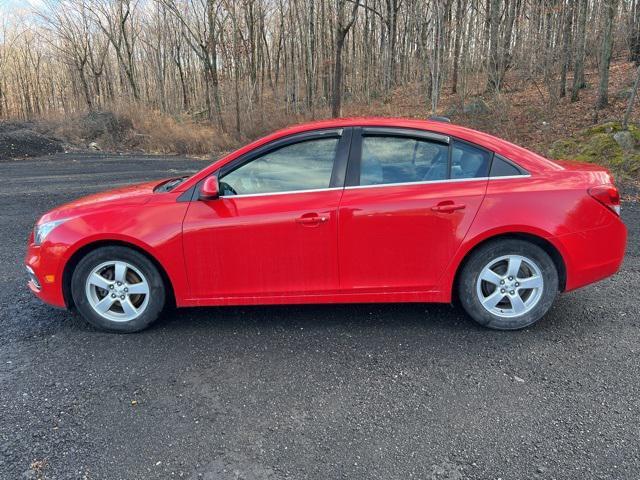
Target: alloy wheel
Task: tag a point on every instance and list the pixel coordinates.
(117, 291)
(510, 286)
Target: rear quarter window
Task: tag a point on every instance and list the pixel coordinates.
(501, 167)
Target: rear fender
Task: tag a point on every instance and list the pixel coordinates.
(447, 281)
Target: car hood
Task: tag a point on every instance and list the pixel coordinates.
(131, 195)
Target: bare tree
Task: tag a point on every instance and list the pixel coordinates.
(343, 25)
(70, 38)
(566, 45)
(245, 62)
(578, 69)
(202, 37)
(634, 32)
(435, 58)
(632, 98)
(610, 7)
(493, 58)
(116, 20)
(459, 18)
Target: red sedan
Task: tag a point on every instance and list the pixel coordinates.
(356, 210)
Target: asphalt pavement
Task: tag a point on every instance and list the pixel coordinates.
(307, 392)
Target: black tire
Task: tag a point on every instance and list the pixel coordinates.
(93, 259)
(467, 283)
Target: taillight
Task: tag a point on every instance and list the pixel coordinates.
(607, 195)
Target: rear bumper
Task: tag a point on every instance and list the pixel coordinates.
(44, 275)
(593, 255)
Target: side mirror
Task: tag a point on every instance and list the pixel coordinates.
(210, 189)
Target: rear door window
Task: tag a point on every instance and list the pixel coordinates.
(468, 161)
(392, 160)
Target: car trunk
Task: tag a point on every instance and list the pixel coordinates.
(593, 173)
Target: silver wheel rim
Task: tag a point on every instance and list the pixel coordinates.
(510, 286)
(117, 291)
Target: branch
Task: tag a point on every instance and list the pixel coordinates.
(367, 7)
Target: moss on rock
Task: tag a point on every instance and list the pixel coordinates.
(597, 145)
(601, 146)
(565, 148)
(635, 131)
(607, 127)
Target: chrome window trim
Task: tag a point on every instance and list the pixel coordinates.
(424, 182)
(427, 182)
(507, 177)
(281, 193)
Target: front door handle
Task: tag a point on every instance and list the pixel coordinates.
(312, 219)
(448, 207)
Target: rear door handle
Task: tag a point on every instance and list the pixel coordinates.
(311, 219)
(448, 207)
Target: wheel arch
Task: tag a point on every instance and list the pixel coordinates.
(81, 252)
(540, 241)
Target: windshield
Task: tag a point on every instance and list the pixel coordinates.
(170, 184)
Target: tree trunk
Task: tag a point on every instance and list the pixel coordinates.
(493, 60)
(436, 57)
(310, 58)
(456, 46)
(611, 7)
(632, 97)
(85, 87)
(211, 53)
(504, 55)
(566, 47)
(236, 71)
(183, 85)
(392, 26)
(634, 34)
(578, 69)
(336, 100)
(341, 33)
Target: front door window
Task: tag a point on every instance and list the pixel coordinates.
(302, 166)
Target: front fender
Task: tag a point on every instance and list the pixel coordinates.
(155, 229)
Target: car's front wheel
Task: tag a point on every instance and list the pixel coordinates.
(508, 284)
(118, 289)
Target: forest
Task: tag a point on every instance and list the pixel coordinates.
(244, 67)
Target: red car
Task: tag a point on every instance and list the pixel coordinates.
(349, 210)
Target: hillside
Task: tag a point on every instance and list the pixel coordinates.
(524, 114)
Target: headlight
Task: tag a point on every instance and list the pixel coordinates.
(41, 231)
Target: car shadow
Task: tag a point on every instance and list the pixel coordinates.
(334, 316)
(388, 321)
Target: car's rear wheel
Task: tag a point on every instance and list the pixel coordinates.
(508, 284)
(118, 289)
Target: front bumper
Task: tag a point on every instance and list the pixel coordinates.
(34, 282)
(45, 274)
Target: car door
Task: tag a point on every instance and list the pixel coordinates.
(273, 231)
(409, 200)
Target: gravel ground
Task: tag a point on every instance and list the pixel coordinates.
(307, 392)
